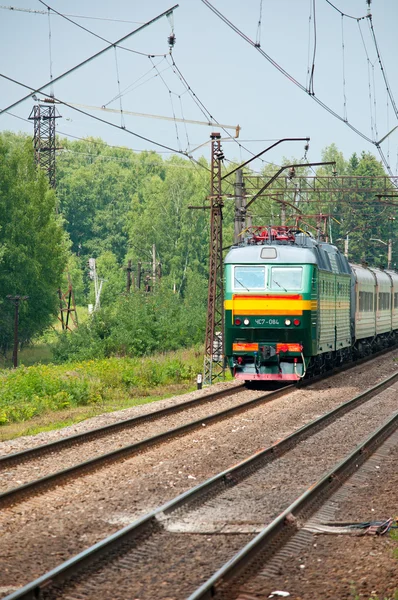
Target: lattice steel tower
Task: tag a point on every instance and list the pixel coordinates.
(214, 355)
(43, 117)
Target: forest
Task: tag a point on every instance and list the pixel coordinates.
(116, 205)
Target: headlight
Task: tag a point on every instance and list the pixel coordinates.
(246, 322)
(288, 322)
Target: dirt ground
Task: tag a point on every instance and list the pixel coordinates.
(346, 567)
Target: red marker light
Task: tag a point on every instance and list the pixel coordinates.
(296, 322)
(238, 322)
(240, 360)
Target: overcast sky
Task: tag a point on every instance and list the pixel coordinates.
(233, 81)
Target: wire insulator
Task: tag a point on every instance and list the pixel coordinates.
(171, 40)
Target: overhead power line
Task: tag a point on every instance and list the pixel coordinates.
(94, 117)
(43, 12)
(344, 14)
(383, 71)
(300, 85)
(182, 152)
(86, 61)
(100, 36)
(283, 71)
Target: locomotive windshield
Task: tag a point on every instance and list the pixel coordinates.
(249, 278)
(256, 277)
(286, 278)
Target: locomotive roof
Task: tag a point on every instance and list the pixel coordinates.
(305, 250)
(284, 254)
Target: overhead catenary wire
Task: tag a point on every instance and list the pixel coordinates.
(311, 90)
(258, 36)
(205, 111)
(84, 62)
(297, 83)
(382, 68)
(122, 123)
(135, 84)
(96, 34)
(50, 51)
(185, 123)
(168, 14)
(309, 46)
(146, 139)
(43, 12)
(343, 61)
(344, 14)
(370, 69)
(284, 72)
(90, 140)
(171, 102)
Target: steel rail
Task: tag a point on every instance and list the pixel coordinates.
(18, 493)
(284, 525)
(98, 432)
(145, 523)
(7, 460)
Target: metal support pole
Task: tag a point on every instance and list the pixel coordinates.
(283, 213)
(43, 116)
(15, 350)
(238, 223)
(214, 356)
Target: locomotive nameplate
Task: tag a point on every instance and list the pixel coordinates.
(268, 322)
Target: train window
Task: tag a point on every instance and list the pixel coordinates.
(249, 278)
(365, 302)
(395, 300)
(384, 301)
(286, 278)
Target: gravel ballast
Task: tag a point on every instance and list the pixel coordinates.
(38, 534)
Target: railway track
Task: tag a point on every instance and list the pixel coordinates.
(231, 517)
(40, 468)
(111, 443)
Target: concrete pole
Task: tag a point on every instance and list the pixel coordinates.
(346, 246)
(154, 264)
(389, 254)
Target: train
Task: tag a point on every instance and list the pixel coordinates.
(294, 307)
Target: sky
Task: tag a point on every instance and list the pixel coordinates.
(229, 78)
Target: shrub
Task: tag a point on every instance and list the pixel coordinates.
(30, 391)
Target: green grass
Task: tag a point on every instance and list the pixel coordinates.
(45, 395)
(63, 418)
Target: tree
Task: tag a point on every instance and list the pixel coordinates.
(33, 246)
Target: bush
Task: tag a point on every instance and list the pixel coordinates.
(30, 391)
(139, 325)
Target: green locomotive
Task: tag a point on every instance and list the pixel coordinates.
(288, 306)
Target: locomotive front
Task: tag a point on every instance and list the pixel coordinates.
(270, 311)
